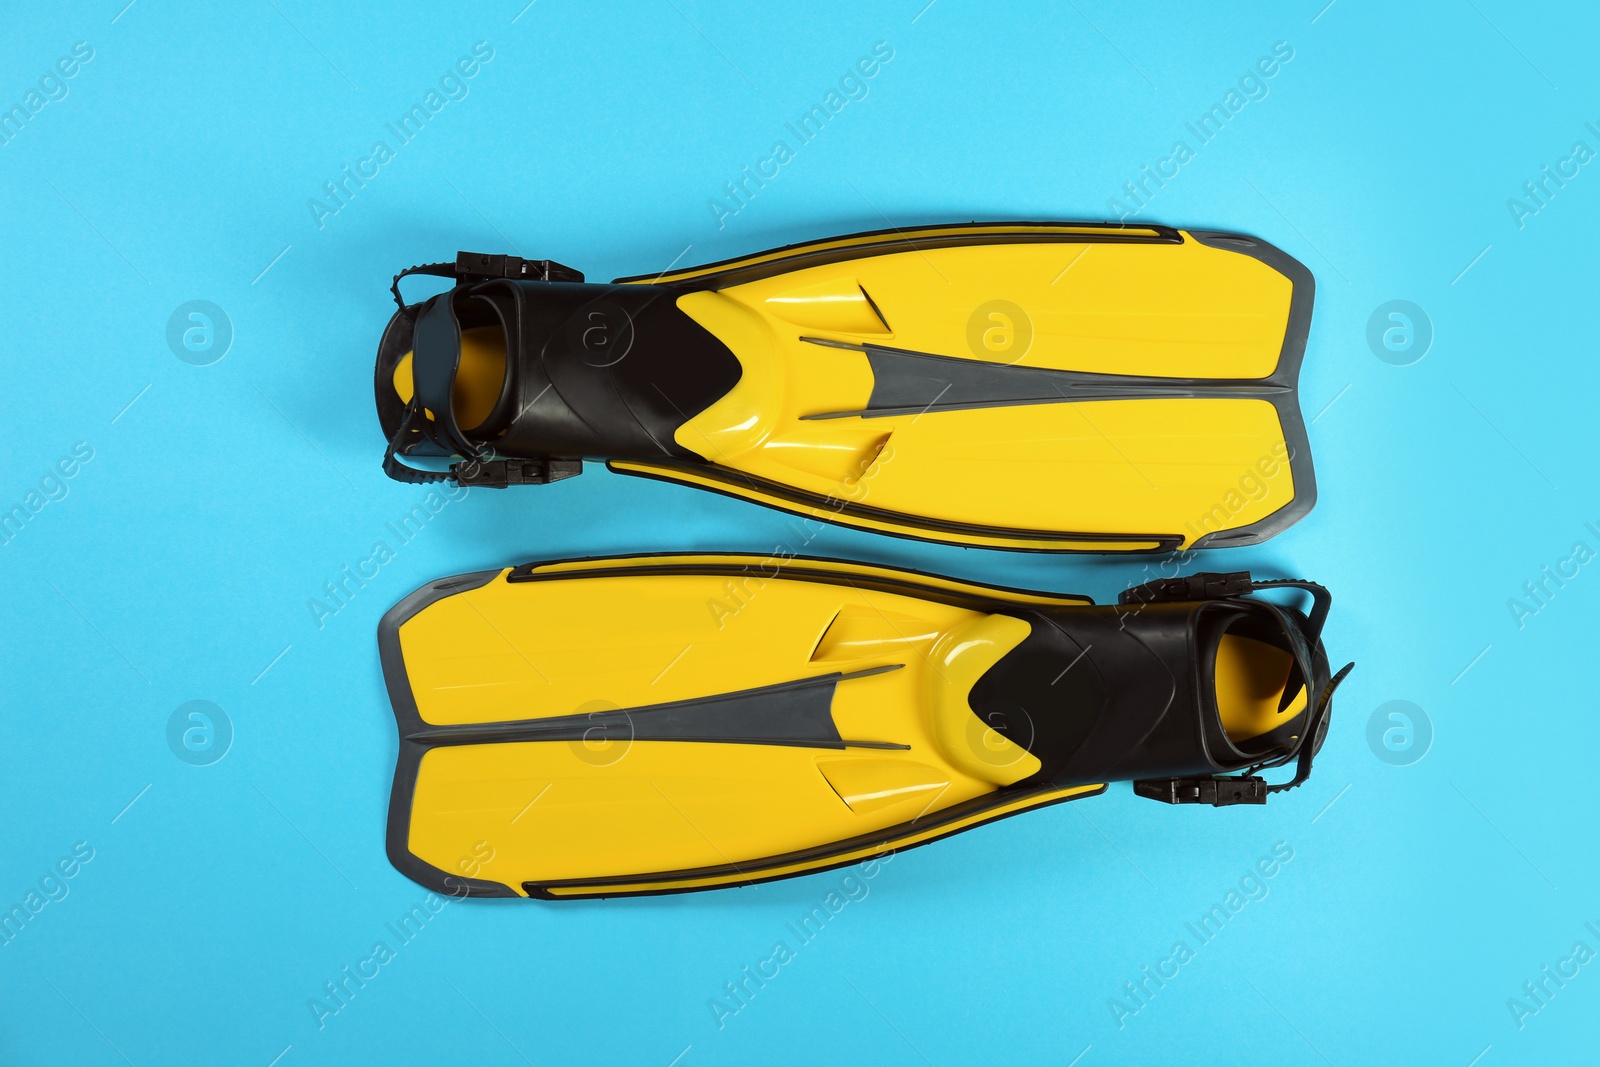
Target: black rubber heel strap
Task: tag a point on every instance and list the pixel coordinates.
(435, 359)
(1226, 790)
(437, 270)
(1206, 585)
(501, 473)
(483, 266)
(1315, 724)
(411, 475)
(1321, 600)
(399, 471)
(1219, 585)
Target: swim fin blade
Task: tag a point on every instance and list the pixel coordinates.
(1047, 387)
(660, 724)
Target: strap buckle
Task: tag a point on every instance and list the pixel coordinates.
(1206, 585)
(479, 265)
(1219, 792)
(500, 473)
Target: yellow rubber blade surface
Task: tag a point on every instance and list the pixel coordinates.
(1118, 474)
(592, 637)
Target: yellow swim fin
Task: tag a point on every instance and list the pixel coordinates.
(1039, 386)
(660, 724)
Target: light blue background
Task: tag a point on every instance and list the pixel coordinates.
(179, 565)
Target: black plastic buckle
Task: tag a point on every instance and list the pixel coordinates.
(1218, 792)
(487, 265)
(1207, 585)
(500, 473)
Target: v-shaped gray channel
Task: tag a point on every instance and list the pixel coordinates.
(907, 382)
(797, 713)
